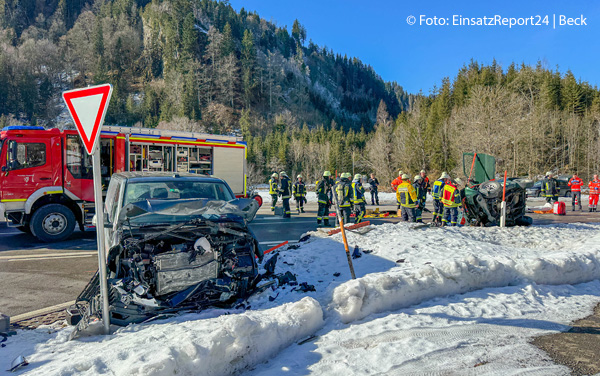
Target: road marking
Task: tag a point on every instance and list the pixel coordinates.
(47, 256)
(277, 242)
(288, 221)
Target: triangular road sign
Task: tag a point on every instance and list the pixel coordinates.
(87, 107)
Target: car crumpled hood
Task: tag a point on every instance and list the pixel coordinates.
(214, 210)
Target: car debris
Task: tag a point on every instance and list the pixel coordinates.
(172, 256)
(18, 363)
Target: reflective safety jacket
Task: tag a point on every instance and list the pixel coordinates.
(285, 187)
(358, 193)
(575, 183)
(438, 187)
(273, 186)
(299, 189)
(426, 184)
(549, 188)
(344, 193)
(451, 196)
(421, 193)
(594, 187)
(406, 195)
(323, 190)
(396, 182)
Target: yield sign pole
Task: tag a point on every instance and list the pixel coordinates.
(88, 107)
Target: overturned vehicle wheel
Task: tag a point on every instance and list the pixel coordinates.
(176, 256)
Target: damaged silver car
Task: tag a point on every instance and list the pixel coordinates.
(174, 255)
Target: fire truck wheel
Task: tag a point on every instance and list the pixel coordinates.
(52, 223)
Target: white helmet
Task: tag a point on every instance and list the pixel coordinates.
(400, 173)
(445, 175)
(405, 177)
(274, 175)
(417, 177)
(299, 176)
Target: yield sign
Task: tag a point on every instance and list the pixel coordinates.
(87, 107)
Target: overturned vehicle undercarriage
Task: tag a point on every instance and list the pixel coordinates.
(172, 256)
(482, 201)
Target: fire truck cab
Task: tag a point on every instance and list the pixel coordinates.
(46, 182)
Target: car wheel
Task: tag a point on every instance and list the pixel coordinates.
(52, 223)
(568, 194)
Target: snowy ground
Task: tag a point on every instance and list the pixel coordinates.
(425, 301)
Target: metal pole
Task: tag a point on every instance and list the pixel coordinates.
(503, 205)
(343, 230)
(100, 239)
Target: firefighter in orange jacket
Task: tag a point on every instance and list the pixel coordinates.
(575, 183)
(407, 198)
(452, 201)
(395, 183)
(594, 187)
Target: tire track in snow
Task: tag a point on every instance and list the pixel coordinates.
(439, 335)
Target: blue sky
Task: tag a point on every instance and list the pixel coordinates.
(418, 57)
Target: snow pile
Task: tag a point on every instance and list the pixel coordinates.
(380, 292)
(216, 346)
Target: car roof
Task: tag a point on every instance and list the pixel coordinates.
(146, 176)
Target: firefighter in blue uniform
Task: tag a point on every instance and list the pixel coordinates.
(436, 193)
(323, 190)
(274, 189)
(421, 188)
(299, 193)
(286, 193)
(358, 199)
(344, 196)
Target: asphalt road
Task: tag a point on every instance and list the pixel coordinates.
(35, 275)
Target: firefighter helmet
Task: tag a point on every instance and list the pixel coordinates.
(357, 177)
(417, 177)
(405, 177)
(400, 173)
(282, 173)
(299, 176)
(274, 175)
(445, 175)
(326, 173)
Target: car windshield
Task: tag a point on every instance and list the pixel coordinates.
(176, 190)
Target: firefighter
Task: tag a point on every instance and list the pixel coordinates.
(436, 192)
(406, 195)
(575, 183)
(323, 190)
(374, 184)
(594, 187)
(550, 188)
(286, 194)
(299, 192)
(358, 199)
(274, 189)
(452, 201)
(419, 185)
(344, 196)
(426, 185)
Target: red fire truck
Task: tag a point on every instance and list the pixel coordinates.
(46, 183)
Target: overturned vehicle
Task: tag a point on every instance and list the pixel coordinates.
(170, 256)
(482, 199)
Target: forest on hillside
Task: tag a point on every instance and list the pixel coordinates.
(198, 65)
(189, 64)
(532, 119)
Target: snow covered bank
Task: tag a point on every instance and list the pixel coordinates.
(485, 332)
(381, 292)
(183, 345)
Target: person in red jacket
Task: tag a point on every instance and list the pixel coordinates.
(594, 187)
(396, 182)
(575, 183)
